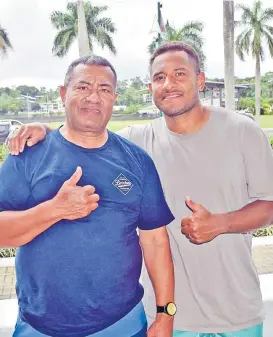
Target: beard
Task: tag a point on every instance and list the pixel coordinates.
(178, 112)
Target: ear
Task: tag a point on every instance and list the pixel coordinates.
(150, 87)
(201, 80)
(63, 91)
(115, 97)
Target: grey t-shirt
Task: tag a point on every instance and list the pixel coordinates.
(223, 166)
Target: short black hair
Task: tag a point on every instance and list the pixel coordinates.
(93, 60)
(174, 46)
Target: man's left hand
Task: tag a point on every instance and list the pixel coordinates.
(202, 226)
(161, 327)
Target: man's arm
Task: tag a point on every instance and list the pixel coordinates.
(257, 157)
(17, 228)
(204, 226)
(158, 260)
(32, 133)
(27, 134)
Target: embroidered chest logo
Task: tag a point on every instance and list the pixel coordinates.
(123, 184)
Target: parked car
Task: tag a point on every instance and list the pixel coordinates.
(6, 127)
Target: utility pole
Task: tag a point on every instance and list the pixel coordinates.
(83, 40)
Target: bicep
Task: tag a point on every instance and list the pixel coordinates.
(153, 237)
(14, 186)
(258, 162)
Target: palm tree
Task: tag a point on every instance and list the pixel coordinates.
(99, 29)
(5, 43)
(83, 40)
(228, 35)
(257, 34)
(190, 33)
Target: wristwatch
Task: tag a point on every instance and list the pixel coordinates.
(169, 309)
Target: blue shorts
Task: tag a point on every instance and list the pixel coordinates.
(133, 324)
(255, 331)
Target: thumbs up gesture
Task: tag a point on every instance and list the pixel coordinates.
(201, 226)
(74, 202)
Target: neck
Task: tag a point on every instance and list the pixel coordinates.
(88, 140)
(189, 122)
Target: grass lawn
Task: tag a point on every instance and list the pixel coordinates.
(112, 125)
(267, 121)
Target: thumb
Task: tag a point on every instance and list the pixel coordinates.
(192, 205)
(75, 178)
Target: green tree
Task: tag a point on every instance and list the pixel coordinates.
(190, 33)
(256, 35)
(5, 43)
(99, 29)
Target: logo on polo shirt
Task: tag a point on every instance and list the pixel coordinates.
(123, 184)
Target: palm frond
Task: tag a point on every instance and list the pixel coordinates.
(247, 14)
(267, 15)
(105, 40)
(106, 24)
(62, 42)
(269, 40)
(5, 39)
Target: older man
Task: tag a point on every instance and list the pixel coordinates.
(79, 261)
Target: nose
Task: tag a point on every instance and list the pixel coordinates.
(169, 83)
(93, 97)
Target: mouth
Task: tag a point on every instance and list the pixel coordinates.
(90, 110)
(172, 96)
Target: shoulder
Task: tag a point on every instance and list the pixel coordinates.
(132, 148)
(32, 156)
(141, 134)
(234, 119)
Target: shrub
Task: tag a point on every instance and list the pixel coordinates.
(7, 252)
(264, 232)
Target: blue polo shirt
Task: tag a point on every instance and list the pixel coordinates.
(80, 277)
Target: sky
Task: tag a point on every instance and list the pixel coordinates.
(31, 33)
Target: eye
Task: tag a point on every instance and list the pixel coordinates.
(179, 74)
(105, 90)
(160, 78)
(82, 88)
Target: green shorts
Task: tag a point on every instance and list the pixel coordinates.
(255, 331)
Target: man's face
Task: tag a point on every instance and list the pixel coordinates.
(175, 83)
(89, 98)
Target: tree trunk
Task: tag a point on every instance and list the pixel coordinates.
(228, 33)
(258, 88)
(84, 46)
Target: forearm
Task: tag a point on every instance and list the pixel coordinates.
(251, 217)
(20, 227)
(159, 265)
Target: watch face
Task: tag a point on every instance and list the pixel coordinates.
(171, 309)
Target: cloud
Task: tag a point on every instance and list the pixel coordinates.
(30, 30)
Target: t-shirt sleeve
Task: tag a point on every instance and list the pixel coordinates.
(135, 133)
(258, 162)
(154, 211)
(14, 186)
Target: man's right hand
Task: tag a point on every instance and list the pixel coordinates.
(75, 202)
(27, 134)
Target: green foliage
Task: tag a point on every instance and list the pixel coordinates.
(5, 43)
(190, 33)
(132, 109)
(3, 152)
(249, 104)
(10, 103)
(99, 29)
(7, 252)
(257, 32)
(264, 232)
